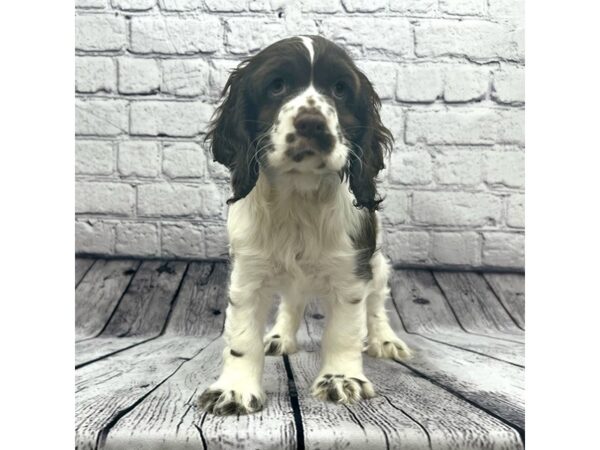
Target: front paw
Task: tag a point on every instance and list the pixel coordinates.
(390, 347)
(223, 402)
(277, 345)
(339, 388)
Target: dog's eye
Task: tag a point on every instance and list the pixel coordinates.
(277, 87)
(339, 90)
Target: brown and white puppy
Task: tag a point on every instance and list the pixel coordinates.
(300, 131)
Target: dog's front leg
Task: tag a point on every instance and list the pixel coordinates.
(341, 378)
(239, 387)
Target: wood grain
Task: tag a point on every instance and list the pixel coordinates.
(510, 289)
(475, 305)
(82, 265)
(168, 418)
(496, 386)
(109, 388)
(409, 411)
(424, 311)
(98, 294)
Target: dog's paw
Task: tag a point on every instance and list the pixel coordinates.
(339, 388)
(226, 402)
(391, 347)
(276, 345)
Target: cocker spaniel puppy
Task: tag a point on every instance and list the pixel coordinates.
(300, 131)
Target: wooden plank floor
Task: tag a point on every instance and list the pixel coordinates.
(149, 340)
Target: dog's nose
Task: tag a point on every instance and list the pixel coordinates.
(310, 124)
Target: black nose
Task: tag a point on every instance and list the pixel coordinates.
(310, 124)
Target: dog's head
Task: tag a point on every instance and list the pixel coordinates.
(301, 106)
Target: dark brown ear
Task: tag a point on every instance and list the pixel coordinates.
(230, 141)
(367, 158)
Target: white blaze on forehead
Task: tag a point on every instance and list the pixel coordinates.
(309, 46)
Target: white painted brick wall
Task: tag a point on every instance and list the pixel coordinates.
(450, 74)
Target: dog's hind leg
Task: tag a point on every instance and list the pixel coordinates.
(382, 341)
(281, 340)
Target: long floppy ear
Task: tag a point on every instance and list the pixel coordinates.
(230, 141)
(367, 158)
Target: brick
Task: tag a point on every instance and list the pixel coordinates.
(321, 6)
(139, 158)
(94, 158)
(225, 5)
(220, 70)
(95, 74)
(152, 34)
(185, 160)
(260, 6)
(510, 127)
(507, 8)
(137, 239)
(134, 5)
(100, 117)
(366, 32)
(413, 6)
(382, 75)
(90, 3)
(181, 5)
(364, 5)
(505, 168)
(463, 7)
(456, 248)
(509, 85)
(465, 126)
(138, 76)
(515, 212)
(216, 241)
(250, 34)
(158, 118)
(504, 250)
(411, 167)
(183, 240)
(472, 38)
(171, 199)
(392, 117)
(408, 247)
(458, 167)
(419, 83)
(466, 83)
(395, 207)
(456, 208)
(104, 198)
(185, 77)
(100, 32)
(217, 170)
(93, 236)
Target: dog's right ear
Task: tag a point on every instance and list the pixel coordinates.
(230, 141)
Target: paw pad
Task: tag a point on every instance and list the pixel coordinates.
(223, 403)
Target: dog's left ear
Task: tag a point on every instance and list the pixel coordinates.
(230, 141)
(367, 158)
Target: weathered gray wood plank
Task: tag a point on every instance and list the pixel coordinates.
(201, 301)
(510, 289)
(141, 313)
(98, 294)
(82, 265)
(495, 385)
(147, 302)
(424, 310)
(476, 306)
(109, 388)
(409, 410)
(95, 348)
(168, 418)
